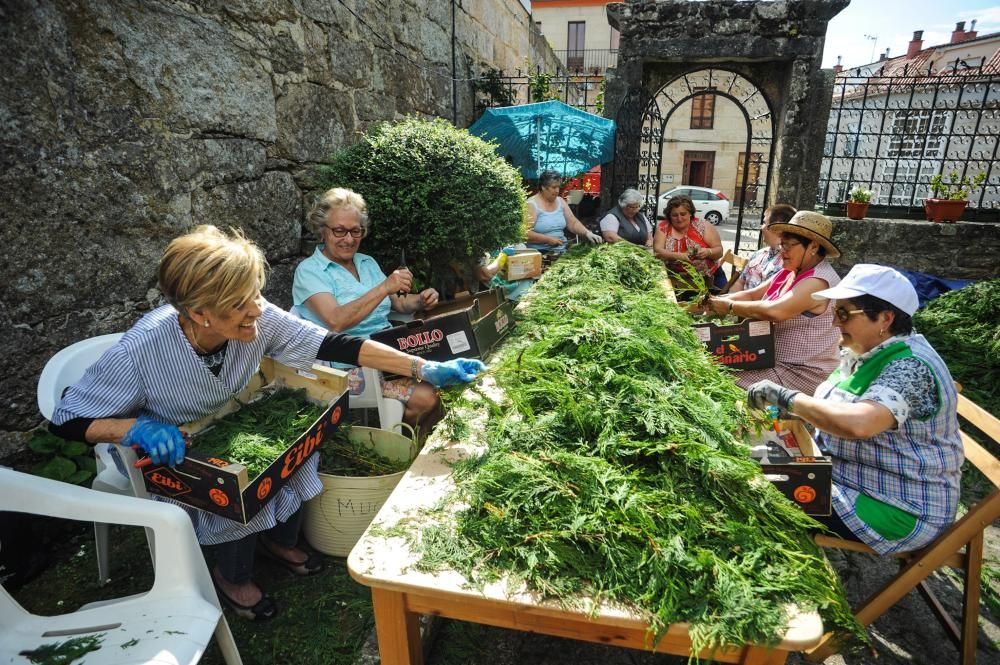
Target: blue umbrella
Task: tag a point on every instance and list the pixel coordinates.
(548, 135)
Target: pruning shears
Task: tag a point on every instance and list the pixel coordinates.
(402, 266)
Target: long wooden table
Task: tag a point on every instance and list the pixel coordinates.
(400, 593)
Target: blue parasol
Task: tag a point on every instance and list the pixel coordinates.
(548, 135)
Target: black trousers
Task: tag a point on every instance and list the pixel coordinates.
(235, 558)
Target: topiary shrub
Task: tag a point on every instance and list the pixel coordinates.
(433, 190)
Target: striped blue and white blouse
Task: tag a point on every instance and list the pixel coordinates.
(153, 370)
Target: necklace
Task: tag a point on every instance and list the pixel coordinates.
(192, 336)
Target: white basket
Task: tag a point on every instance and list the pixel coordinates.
(335, 519)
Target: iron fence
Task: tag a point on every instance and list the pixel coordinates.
(585, 92)
(894, 129)
(588, 61)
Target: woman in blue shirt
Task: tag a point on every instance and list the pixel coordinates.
(549, 217)
(345, 291)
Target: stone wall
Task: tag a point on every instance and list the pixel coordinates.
(125, 124)
(964, 250)
(777, 46)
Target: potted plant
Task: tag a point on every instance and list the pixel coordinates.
(950, 195)
(857, 202)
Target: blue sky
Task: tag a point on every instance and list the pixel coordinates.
(892, 22)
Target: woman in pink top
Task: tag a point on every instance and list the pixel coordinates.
(805, 341)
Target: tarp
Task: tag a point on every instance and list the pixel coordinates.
(930, 286)
(548, 135)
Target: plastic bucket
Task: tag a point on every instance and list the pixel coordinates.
(335, 519)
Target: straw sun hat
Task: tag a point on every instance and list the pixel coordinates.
(810, 225)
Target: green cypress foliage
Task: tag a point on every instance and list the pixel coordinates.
(617, 468)
(432, 190)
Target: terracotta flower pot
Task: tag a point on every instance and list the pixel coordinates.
(944, 210)
(857, 210)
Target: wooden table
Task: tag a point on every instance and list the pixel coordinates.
(400, 593)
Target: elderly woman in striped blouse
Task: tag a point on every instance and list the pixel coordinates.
(185, 360)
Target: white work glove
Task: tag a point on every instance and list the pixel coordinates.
(594, 238)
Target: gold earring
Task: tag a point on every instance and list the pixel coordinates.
(881, 333)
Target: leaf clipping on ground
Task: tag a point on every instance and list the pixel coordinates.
(616, 469)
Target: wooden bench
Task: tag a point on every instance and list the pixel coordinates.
(961, 546)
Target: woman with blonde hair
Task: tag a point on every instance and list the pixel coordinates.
(185, 360)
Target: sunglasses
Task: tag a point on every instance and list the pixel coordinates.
(340, 232)
(844, 315)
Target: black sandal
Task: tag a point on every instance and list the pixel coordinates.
(312, 565)
(263, 610)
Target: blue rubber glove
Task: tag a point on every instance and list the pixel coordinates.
(451, 372)
(762, 393)
(162, 442)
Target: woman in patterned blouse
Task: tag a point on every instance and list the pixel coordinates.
(887, 415)
(185, 360)
(766, 261)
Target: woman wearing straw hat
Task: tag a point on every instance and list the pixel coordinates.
(805, 341)
(886, 414)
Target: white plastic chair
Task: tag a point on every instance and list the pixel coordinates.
(171, 623)
(390, 411)
(115, 473)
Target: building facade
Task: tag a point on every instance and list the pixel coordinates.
(896, 123)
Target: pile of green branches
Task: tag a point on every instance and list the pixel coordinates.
(964, 327)
(260, 432)
(343, 455)
(617, 469)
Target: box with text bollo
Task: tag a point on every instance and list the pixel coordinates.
(225, 488)
(467, 327)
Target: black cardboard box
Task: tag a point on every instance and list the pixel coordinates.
(748, 344)
(224, 488)
(804, 475)
(467, 327)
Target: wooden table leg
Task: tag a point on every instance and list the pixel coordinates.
(398, 630)
(763, 656)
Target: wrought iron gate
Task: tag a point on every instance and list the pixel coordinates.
(646, 139)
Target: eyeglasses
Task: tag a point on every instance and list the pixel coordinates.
(340, 232)
(844, 315)
(787, 245)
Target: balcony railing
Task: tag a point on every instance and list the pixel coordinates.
(588, 61)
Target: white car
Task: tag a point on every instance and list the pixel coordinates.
(709, 204)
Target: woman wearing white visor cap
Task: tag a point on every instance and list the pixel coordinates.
(886, 415)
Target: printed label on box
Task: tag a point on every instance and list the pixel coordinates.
(704, 334)
(757, 328)
(458, 342)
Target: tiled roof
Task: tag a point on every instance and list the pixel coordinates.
(917, 70)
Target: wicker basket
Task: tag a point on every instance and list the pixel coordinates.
(336, 518)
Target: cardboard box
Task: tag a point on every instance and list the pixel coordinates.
(467, 327)
(525, 264)
(748, 344)
(224, 488)
(802, 474)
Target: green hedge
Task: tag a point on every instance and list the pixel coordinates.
(434, 190)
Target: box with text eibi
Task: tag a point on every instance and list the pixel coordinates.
(225, 488)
